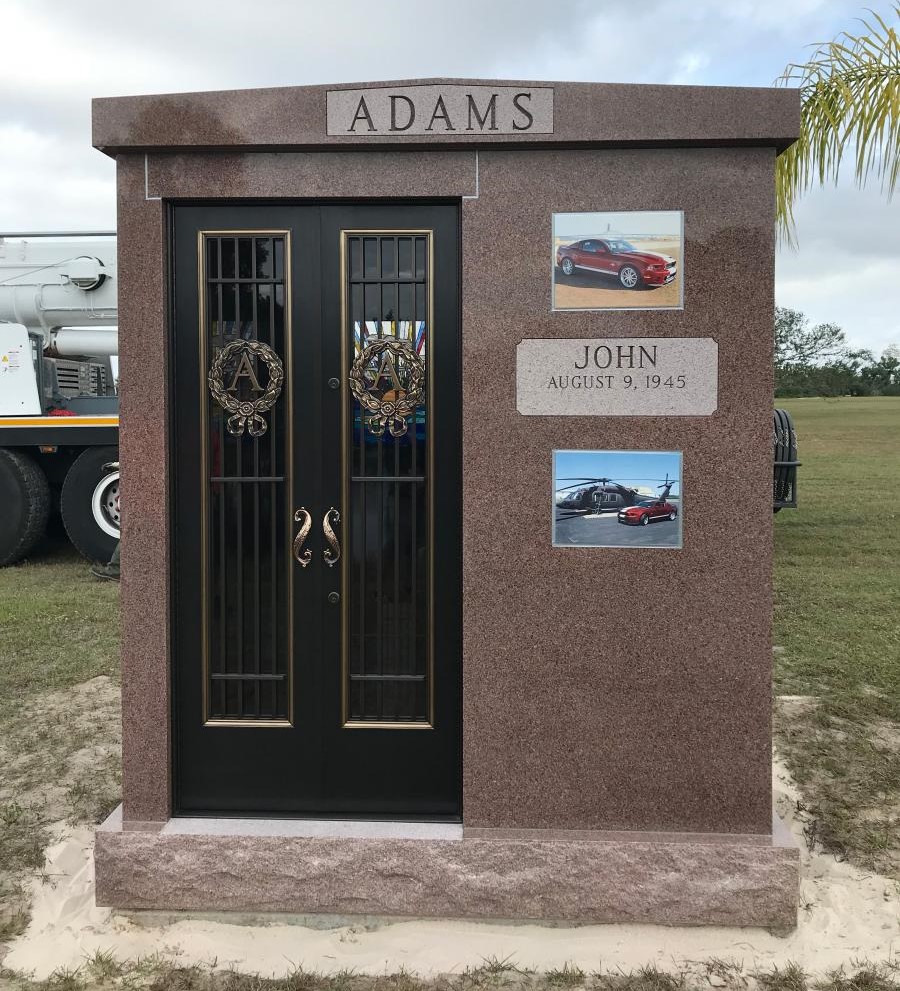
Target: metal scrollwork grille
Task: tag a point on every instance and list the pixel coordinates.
(248, 562)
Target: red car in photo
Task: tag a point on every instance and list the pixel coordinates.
(647, 511)
(616, 257)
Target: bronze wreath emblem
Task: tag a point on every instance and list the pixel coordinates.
(246, 413)
(390, 413)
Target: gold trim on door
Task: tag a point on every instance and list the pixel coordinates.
(346, 722)
(204, 474)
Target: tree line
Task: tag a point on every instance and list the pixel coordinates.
(814, 360)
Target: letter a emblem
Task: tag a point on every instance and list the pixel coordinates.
(245, 370)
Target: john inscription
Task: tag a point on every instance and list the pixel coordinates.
(665, 376)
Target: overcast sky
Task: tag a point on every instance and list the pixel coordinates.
(635, 223)
(58, 54)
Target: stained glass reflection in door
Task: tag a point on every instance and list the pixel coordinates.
(387, 620)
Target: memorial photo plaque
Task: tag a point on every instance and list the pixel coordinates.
(617, 499)
(618, 261)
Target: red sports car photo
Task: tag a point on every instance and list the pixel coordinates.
(647, 511)
(619, 259)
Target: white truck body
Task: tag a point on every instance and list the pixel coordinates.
(49, 284)
(58, 404)
(18, 382)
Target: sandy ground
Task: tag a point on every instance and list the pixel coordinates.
(846, 915)
(59, 760)
(584, 290)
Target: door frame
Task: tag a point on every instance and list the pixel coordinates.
(171, 416)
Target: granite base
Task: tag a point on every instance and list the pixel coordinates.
(438, 871)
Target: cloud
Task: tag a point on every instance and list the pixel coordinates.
(56, 59)
(845, 269)
(37, 194)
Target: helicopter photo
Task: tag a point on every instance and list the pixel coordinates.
(599, 495)
(589, 508)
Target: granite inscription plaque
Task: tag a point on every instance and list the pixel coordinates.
(627, 376)
(440, 110)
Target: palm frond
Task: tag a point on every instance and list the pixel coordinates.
(849, 106)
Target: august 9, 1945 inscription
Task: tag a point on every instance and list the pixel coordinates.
(648, 376)
(439, 110)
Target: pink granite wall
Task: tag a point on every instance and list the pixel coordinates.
(603, 689)
(618, 688)
(143, 446)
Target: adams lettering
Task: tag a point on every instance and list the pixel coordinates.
(440, 111)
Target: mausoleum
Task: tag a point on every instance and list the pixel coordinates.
(446, 458)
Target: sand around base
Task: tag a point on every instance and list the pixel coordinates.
(846, 915)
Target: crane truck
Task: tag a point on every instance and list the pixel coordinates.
(59, 409)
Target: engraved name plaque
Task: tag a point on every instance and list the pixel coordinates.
(634, 376)
(440, 111)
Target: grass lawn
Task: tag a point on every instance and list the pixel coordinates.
(158, 973)
(837, 623)
(837, 616)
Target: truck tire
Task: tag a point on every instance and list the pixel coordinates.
(25, 498)
(85, 493)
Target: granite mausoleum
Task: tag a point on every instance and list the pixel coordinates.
(401, 364)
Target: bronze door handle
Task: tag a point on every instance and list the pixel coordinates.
(302, 516)
(332, 553)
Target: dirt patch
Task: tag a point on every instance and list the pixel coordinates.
(60, 755)
(849, 769)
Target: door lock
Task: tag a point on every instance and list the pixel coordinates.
(334, 598)
(334, 383)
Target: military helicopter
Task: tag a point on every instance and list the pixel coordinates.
(599, 495)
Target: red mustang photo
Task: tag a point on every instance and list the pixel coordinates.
(648, 510)
(618, 261)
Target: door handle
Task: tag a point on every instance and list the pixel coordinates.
(302, 516)
(332, 553)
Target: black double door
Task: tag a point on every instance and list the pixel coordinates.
(316, 510)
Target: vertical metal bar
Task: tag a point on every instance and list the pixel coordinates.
(379, 574)
(269, 692)
(256, 533)
(414, 616)
(273, 447)
(363, 640)
(414, 501)
(239, 542)
(278, 469)
(397, 663)
(355, 490)
(395, 638)
(273, 591)
(223, 585)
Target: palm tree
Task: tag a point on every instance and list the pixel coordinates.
(849, 106)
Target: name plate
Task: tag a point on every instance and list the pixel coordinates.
(439, 111)
(620, 376)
